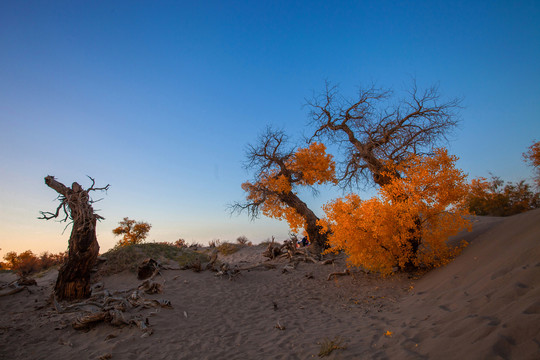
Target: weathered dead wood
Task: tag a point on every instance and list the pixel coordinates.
(85, 321)
(26, 281)
(265, 265)
(273, 250)
(12, 291)
(114, 307)
(342, 273)
(148, 268)
(73, 280)
(151, 287)
(226, 270)
(213, 260)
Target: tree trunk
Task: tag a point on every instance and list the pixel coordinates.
(318, 239)
(73, 280)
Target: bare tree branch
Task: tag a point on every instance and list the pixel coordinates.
(370, 130)
(270, 160)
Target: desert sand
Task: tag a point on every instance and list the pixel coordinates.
(483, 305)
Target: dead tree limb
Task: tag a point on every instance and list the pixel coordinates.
(342, 273)
(12, 291)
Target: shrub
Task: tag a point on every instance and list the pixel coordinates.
(242, 240)
(329, 345)
(27, 262)
(228, 248)
(180, 243)
(532, 157)
(495, 198)
(410, 221)
(214, 243)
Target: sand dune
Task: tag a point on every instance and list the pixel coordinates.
(484, 305)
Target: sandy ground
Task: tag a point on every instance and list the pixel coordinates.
(484, 305)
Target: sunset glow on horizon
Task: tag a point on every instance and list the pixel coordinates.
(160, 100)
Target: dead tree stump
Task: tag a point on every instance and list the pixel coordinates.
(73, 280)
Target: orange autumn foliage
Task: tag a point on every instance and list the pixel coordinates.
(132, 232)
(307, 166)
(313, 164)
(495, 198)
(532, 156)
(27, 262)
(408, 223)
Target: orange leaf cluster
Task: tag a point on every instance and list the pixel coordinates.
(426, 204)
(315, 165)
(532, 156)
(132, 232)
(27, 262)
(495, 198)
(307, 166)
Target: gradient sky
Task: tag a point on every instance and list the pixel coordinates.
(159, 99)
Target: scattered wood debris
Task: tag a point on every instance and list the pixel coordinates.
(119, 308)
(17, 286)
(342, 273)
(148, 268)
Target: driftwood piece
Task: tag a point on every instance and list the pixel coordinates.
(273, 250)
(12, 291)
(26, 281)
(226, 270)
(151, 287)
(265, 265)
(86, 321)
(114, 307)
(342, 273)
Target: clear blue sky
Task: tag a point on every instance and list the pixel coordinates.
(159, 99)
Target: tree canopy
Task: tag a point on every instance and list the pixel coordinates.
(132, 232)
(408, 223)
(279, 170)
(375, 130)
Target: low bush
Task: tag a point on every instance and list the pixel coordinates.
(228, 248)
(27, 262)
(243, 240)
(495, 198)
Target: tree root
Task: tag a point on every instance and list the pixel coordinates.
(112, 307)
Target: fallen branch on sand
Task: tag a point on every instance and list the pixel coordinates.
(113, 310)
(17, 286)
(256, 266)
(113, 307)
(288, 250)
(12, 291)
(342, 273)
